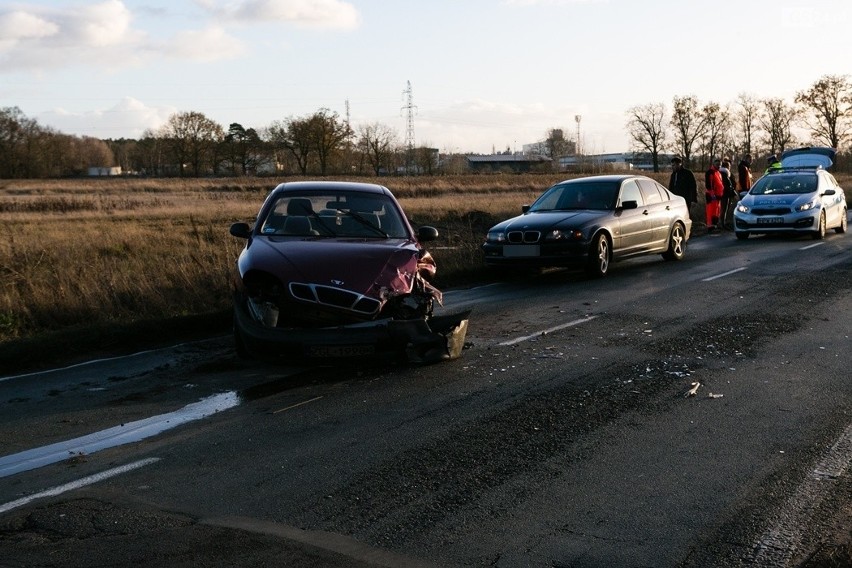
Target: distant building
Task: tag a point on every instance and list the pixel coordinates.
(97, 171)
(517, 163)
(617, 161)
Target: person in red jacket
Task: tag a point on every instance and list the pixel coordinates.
(713, 193)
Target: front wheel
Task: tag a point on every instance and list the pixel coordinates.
(677, 243)
(843, 224)
(819, 234)
(741, 235)
(599, 257)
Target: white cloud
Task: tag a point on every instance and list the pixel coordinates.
(48, 38)
(334, 14)
(211, 44)
(129, 118)
(19, 25)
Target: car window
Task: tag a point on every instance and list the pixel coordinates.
(598, 195)
(792, 183)
(650, 191)
(334, 214)
(630, 192)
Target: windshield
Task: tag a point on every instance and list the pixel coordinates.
(334, 214)
(780, 184)
(599, 195)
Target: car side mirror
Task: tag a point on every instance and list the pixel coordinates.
(241, 230)
(425, 234)
(630, 204)
(525, 208)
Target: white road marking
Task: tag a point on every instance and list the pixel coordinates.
(115, 436)
(297, 404)
(728, 273)
(53, 492)
(819, 244)
(545, 331)
(781, 542)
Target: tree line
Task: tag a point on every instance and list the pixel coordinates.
(750, 125)
(193, 145)
(321, 143)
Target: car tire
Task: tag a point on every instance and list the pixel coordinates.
(741, 235)
(240, 344)
(600, 256)
(843, 224)
(819, 234)
(677, 243)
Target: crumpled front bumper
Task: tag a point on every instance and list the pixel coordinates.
(438, 338)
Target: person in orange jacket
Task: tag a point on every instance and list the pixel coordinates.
(713, 192)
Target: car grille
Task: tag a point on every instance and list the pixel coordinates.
(771, 211)
(515, 237)
(334, 297)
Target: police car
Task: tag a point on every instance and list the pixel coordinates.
(799, 197)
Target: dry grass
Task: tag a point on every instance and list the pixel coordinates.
(78, 254)
(104, 252)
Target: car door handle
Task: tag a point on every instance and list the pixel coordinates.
(645, 212)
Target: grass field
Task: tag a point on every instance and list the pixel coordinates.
(111, 262)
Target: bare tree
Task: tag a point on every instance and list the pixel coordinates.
(193, 139)
(777, 121)
(746, 122)
(378, 142)
(688, 124)
(329, 134)
(293, 136)
(827, 106)
(717, 122)
(647, 128)
(556, 145)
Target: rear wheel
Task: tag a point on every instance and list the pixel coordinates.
(599, 257)
(819, 234)
(843, 223)
(677, 243)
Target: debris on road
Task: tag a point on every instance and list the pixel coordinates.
(694, 389)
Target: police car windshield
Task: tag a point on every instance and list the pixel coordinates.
(785, 184)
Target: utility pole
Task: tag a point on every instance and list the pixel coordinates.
(409, 129)
(577, 119)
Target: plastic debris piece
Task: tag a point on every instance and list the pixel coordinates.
(694, 389)
(711, 395)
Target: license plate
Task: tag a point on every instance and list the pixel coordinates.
(339, 350)
(770, 220)
(521, 250)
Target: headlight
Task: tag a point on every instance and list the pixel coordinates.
(808, 206)
(563, 235)
(742, 208)
(496, 237)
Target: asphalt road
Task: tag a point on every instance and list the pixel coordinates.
(564, 436)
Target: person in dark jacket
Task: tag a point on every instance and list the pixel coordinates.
(730, 193)
(682, 182)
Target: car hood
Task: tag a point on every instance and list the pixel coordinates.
(363, 266)
(547, 219)
(777, 200)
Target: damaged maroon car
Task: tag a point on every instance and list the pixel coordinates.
(334, 269)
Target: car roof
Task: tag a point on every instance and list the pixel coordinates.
(326, 185)
(606, 178)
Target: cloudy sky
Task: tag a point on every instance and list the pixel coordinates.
(484, 74)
